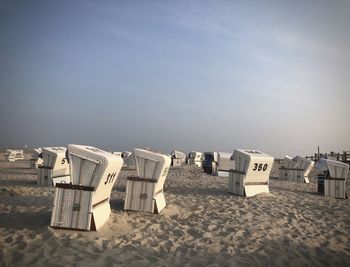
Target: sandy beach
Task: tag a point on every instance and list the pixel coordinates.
(202, 225)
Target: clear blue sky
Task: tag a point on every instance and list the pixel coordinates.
(190, 75)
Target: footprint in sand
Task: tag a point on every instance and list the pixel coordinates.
(8, 240)
(195, 233)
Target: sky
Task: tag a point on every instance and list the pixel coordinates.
(186, 75)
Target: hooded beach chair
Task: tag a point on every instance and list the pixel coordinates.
(332, 180)
(210, 163)
(84, 204)
(251, 174)
(13, 155)
(177, 158)
(289, 170)
(195, 158)
(296, 169)
(54, 168)
(304, 164)
(145, 192)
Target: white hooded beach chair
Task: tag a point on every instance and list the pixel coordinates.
(13, 155)
(210, 162)
(195, 158)
(54, 168)
(332, 181)
(145, 192)
(84, 204)
(296, 169)
(251, 174)
(177, 158)
(34, 154)
(305, 164)
(289, 170)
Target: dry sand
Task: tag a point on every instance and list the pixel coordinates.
(202, 225)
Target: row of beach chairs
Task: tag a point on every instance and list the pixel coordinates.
(84, 176)
(82, 203)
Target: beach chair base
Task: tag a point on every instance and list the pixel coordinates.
(335, 188)
(238, 187)
(293, 175)
(141, 196)
(176, 162)
(73, 210)
(331, 187)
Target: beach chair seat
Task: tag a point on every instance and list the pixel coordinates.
(251, 174)
(84, 203)
(145, 192)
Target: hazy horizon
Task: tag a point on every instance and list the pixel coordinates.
(186, 75)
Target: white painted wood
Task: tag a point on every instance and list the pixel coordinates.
(303, 163)
(117, 153)
(175, 154)
(252, 172)
(176, 162)
(335, 174)
(139, 196)
(296, 169)
(236, 183)
(94, 172)
(159, 202)
(289, 163)
(54, 165)
(55, 158)
(101, 214)
(45, 177)
(292, 175)
(195, 158)
(61, 180)
(145, 192)
(13, 155)
(72, 209)
(253, 190)
(223, 173)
